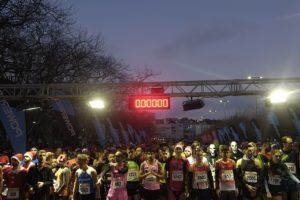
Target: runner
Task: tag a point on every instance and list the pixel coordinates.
(235, 153)
(176, 174)
(62, 181)
(226, 185)
(133, 183)
(40, 179)
(28, 156)
(85, 179)
(150, 173)
(250, 174)
(291, 159)
(15, 179)
(163, 157)
(201, 181)
(117, 190)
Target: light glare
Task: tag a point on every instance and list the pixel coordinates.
(97, 104)
(278, 96)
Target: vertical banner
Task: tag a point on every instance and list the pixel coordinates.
(273, 120)
(295, 119)
(221, 136)
(124, 134)
(243, 127)
(15, 126)
(234, 133)
(131, 133)
(60, 106)
(257, 130)
(100, 131)
(114, 132)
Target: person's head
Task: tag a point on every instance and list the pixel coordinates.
(131, 152)
(111, 157)
(16, 160)
(40, 156)
(224, 151)
(276, 156)
(212, 149)
(287, 143)
(150, 153)
(120, 156)
(82, 160)
(61, 160)
(249, 150)
(164, 153)
(139, 151)
(234, 147)
(198, 153)
(28, 156)
(188, 151)
(49, 157)
(178, 150)
(34, 150)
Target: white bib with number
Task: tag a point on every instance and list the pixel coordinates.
(274, 180)
(201, 180)
(291, 167)
(84, 188)
(150, 179)
(13, 193)
(227, 175)
(132, 173)
(118, 183)
(251, 177)
(177, 176)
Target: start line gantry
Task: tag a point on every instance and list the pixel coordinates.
(200, 88)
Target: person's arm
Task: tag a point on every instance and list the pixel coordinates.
(75, 187)
(64, 182)
(159, 174)
(142, 173)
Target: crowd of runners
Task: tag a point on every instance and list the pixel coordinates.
(157, 171)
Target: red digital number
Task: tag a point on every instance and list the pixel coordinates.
(149, 102)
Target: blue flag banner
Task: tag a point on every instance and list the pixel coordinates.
(273, 120)
(234, 133)
(114, 133)
(221, 135)
(59, 105)
(124, 133)
(257, 130)
(131, 133)
(295, 119)
(243, 127)
(100, 131)
(15, 126)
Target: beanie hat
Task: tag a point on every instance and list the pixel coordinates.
(29, 154)
(188, 148)
(18, 157)
(178, 146)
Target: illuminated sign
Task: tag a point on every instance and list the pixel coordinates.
(149, 102)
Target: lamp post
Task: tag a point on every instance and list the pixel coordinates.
(224, 102)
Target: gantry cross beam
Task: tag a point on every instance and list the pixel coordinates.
(201, 88)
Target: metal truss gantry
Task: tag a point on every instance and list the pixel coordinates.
(201, 88)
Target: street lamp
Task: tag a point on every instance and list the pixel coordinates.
(224, 102)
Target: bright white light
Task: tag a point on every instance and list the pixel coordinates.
(278, 96)
(249, 77)
(97, 104)
(32, 108)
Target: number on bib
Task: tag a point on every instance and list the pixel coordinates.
(251, 177)
(274, 180)
(177, 176)
(118, 183)
(291, 167)
(227, 175)
(13, 193)
(84, 188)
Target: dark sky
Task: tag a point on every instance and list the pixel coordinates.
(199, 40)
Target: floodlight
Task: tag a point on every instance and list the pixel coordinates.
(97, 104)
(278, 96)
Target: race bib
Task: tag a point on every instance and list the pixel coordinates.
(177, 176)
(118, 183)
(13, 193)
(274, 180)
(291, 167)
(132, 174)
(227, 175)
(150, 179)
(84, 188)
(251, 177)
(201, 180)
